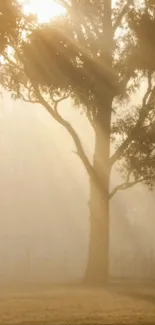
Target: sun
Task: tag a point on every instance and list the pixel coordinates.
(44, 9)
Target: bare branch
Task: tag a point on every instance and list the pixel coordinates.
(146, 108)
(31, 101)
(121, 187)
(64, 4)
(80, 151)
(126, 185)
(53, 111)
(62, 98)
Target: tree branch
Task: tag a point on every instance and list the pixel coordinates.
(121, 15)
(28, 98)
(55, 114)
(64, 4)
(126, 185)
(31, 101)
(80, 151)
(90, 118)
(57, 101)
(146, 108)
(121, 187)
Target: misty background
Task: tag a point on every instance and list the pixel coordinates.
(44, 212)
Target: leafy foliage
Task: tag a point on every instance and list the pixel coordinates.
(10, 15)
(82, 54)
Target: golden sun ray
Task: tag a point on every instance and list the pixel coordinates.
(44, 9)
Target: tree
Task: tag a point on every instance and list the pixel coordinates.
(9, 18)
(83, 55)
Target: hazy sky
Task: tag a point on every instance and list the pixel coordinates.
(45, 190)
(44, 185)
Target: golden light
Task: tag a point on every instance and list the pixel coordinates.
(44, 9)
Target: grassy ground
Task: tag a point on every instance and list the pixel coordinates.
(49, 305)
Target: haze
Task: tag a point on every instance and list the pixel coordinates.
(44, 225)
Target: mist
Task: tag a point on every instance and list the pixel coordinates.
(77, 162)
(44, 224)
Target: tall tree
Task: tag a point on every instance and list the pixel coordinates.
(97, 54)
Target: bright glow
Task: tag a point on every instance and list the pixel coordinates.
(44, 9)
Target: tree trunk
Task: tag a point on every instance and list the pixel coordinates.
(97, 271)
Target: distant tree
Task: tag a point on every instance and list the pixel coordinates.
(99, 55)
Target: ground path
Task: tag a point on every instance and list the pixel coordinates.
(50, 305)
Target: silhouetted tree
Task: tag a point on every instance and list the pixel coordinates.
(99, 55)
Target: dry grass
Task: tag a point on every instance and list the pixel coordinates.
(52, 306)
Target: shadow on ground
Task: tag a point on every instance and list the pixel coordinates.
(139, 291)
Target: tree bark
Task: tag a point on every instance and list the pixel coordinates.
(97, 271)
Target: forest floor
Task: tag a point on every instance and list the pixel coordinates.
(51, 305)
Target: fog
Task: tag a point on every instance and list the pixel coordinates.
(44, 223)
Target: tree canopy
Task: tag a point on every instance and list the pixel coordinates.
(83, 56)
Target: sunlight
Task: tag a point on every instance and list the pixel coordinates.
(44, 9)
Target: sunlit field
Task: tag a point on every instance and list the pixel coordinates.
(51, 305)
